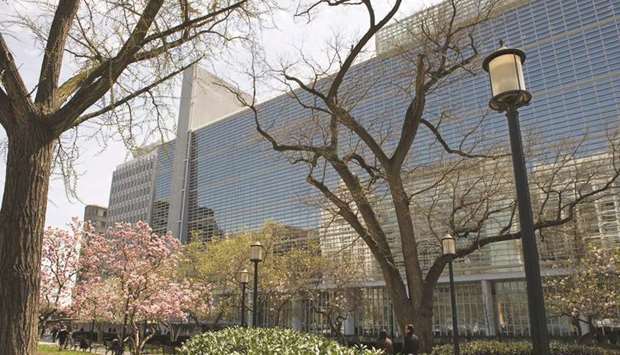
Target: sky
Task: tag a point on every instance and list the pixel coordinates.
(96, 164)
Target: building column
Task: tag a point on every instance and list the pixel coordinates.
(584, 327)
(179, 165)
(204, 100)
(488, 303)
(297, 314)
(349, 325)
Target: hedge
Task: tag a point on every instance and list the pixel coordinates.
(255, 341)
(520, 348)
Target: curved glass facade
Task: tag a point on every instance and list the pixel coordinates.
(161, 188)
(236, 181)
(130, 193)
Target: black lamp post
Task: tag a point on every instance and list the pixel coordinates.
(448, 248)
(256, 256)
(505, 68)
(244, 277)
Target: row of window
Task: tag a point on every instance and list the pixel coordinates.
(505, 313)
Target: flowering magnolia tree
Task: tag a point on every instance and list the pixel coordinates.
(591, 292)
(59, 266)
(129, 276)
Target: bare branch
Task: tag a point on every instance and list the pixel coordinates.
(412, 116)
(359, 46)
(12, 81)
(52, 58)
(133, 95)
(89, 94)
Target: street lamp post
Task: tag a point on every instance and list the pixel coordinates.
(448, 248)
(256, 256)
(244, 277)
(505, 68)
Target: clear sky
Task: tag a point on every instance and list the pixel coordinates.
(96, 164)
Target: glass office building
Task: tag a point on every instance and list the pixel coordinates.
(97, 216)
(160, 201)
(130, 193)
(229, 180)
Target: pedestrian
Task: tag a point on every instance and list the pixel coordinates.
(385, 342)
(84, 343)
(63, 335)
(54, 334)
(411, 343)
(70, 338)
(117, 347)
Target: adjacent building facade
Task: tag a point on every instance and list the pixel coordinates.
(97, 216)
(218, 177)
(131, 190)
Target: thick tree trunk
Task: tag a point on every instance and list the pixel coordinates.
(22, 219)
(407, 311)
(424, 326)
(421, 319)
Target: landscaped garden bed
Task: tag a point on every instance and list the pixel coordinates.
(246, 341)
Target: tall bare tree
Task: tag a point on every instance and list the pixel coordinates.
(465, 187)
(103, 63)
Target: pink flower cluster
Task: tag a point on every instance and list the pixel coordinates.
(132, 271)
(60, 256)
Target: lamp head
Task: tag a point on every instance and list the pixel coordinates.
(244, 276)
(505, 68)
(448, 245)
(256, 252)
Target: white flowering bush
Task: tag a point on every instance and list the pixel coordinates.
(591, 290)
(255, 341)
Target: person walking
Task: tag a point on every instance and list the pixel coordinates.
(385, 342)
(117, 347)
(63, 335)
(54, 334)
(411, 343)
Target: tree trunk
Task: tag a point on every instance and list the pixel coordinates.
(407, 311)
(421, 319)
(136, 341)
(423, 324)
(22, 219)
(43, 318)
(217, 319)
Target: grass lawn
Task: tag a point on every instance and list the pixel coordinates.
(53, 349)
(45, 349)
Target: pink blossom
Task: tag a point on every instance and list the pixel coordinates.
(132, 271)
(60, 254)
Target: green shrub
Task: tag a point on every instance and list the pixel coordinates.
(519, 348)
(263, 341)
(569, 349)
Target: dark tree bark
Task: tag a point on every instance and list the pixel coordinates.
(34, 123)
(22, 219)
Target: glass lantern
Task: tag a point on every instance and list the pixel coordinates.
(256, 252)
(505, 68)
(448, 245)
(244, 276)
